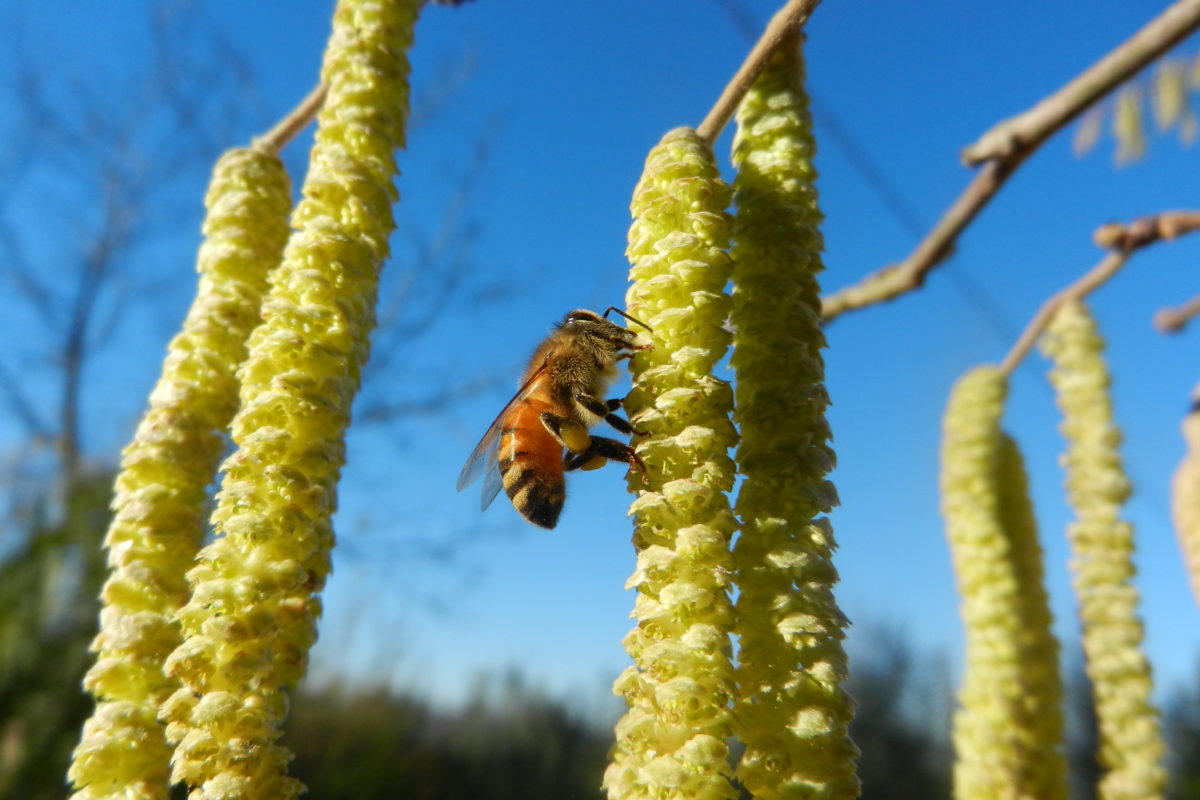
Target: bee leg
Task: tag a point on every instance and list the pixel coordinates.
(609, 449)
(632, 349)
(604, 409)
(569, 433)
(584, 460)
(613, 405)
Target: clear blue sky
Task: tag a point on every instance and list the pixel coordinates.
(574, 95)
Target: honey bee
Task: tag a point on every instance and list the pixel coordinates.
(543, 431)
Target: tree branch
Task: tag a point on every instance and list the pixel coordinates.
(287, 128)
(779, 30)
(1146, 230)
(431, 404)
(1173, 320)
(1006, 146)
(1123, 241)
(897, 279)
(25, 410)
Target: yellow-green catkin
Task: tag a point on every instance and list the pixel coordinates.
(252, 616)
(1041, 679)
(1131, 744)
(1008, 727)
(165, 471)
(671, 742)
(791, 710)
(1185, 496)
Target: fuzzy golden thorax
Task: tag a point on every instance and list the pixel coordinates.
(581, 354)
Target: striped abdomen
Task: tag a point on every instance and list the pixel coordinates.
(531, 464)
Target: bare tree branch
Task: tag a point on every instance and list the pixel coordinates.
(897, 279)
(22, 407)
(1164, 226)
(455, 234)
(1003, 149)
(113, 169)
(297, 119)
(430, 404)
(114, 236)
(1123, 241)
(877, 179)
(1173, 320)
(25, 279)
(786, 22)
(453, 75)
(430, 284)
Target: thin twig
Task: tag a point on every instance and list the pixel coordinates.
(1003, 149)
(1173, 320)
(897, 279)
(1076, 291)
(432, 404)
(1123, 241)
(24, 409)
(287, 128)
(1146, 230)
(779, 30)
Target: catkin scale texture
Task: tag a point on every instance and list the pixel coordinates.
(1041, 714)
(1131, 745)
(792, 713)
(252, 616)
(671, 741)
(160, 498)
(1008, 727)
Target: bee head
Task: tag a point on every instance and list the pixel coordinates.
(600, 332)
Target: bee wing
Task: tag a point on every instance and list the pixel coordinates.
(483, 459)
(492, 480)
(482, 456)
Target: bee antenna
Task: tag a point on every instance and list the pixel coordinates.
(626, 316)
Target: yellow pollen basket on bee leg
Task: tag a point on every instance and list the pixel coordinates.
(576, 438)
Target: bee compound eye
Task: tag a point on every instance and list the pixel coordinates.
(577, 316)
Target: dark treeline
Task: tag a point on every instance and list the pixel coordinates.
(362, 745)
(511, 740)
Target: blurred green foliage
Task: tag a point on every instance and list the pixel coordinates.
(517, 742)
(50, 577)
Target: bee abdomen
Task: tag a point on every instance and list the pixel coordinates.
(531, 466)
(539, 497)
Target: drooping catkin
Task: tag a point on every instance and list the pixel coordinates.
(252, 615)
(1185, 496)
(792, 713)
(1008, 727)
(165, 471)
(1131, 744)
(1041, 680)
(671, 741)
